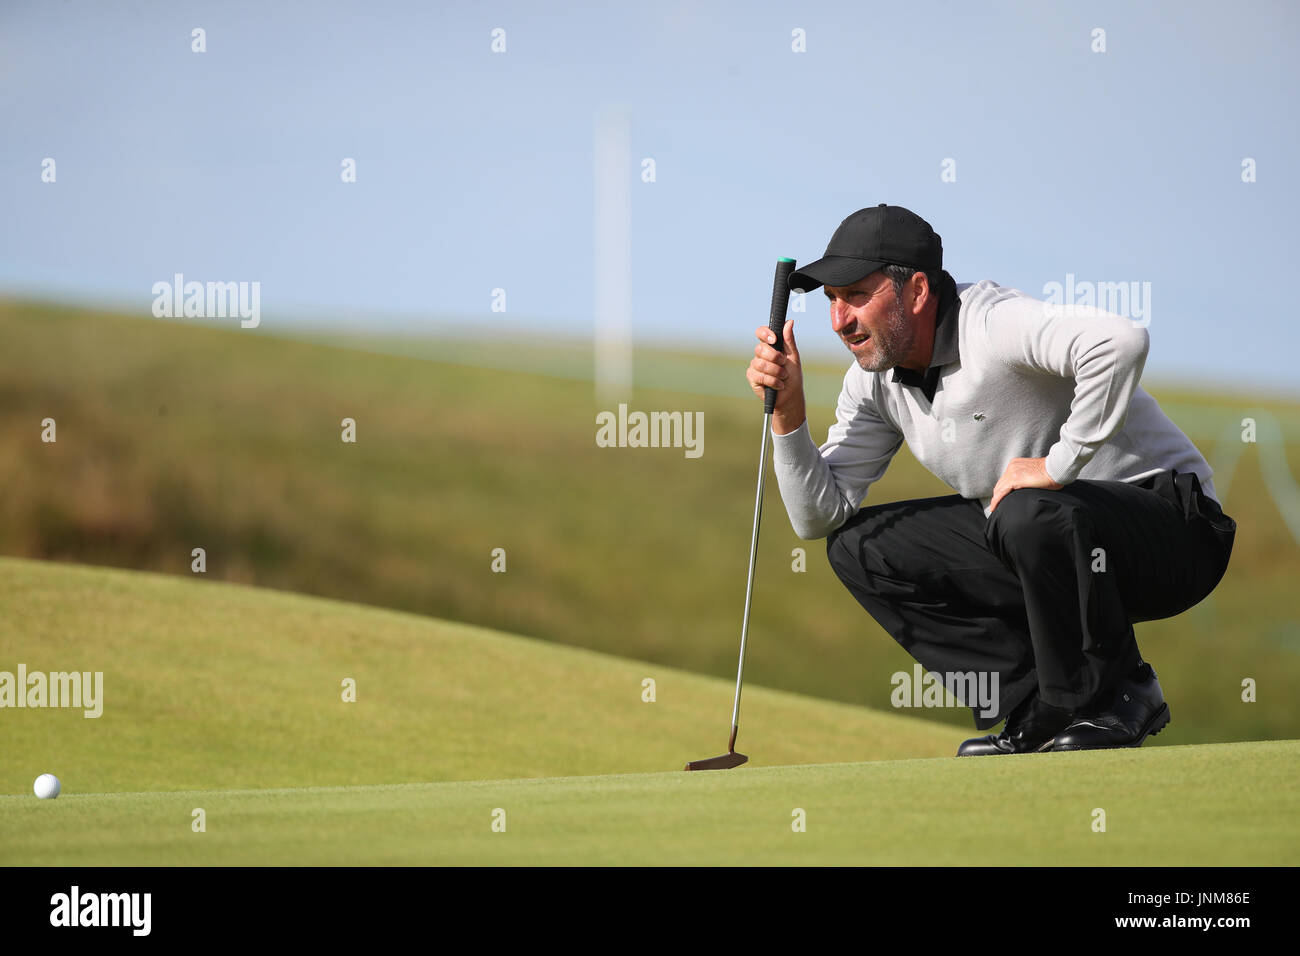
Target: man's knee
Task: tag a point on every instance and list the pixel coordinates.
(867, 548)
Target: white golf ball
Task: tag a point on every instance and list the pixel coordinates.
(47, 786)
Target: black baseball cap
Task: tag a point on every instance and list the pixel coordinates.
(869, 240)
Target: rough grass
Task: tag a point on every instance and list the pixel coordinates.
(173, 436)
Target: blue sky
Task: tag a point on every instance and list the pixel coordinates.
(475, 169)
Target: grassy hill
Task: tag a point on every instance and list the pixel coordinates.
(173, 437)
(213, 686)
(227, 699)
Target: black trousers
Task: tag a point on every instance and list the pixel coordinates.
(1045, 592)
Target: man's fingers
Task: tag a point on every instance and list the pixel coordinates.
(789, 340)
(768, 341)
(1000, 491)
(760, 379)
(772, 368)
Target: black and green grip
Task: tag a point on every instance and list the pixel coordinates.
(780, 302)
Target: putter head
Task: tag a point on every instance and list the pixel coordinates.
(725, 762)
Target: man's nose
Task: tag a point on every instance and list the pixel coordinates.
(839, 315)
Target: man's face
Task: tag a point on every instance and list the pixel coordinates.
(871, 321)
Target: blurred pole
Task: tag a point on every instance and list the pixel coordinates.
(613, 240)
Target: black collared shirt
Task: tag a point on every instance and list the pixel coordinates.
(945, 344)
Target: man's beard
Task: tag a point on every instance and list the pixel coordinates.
(891, 345)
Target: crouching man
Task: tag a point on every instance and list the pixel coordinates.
(1081, 509)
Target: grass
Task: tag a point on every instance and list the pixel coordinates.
(227, 699)
(1213, 805)
(173, 436)
(216, 686)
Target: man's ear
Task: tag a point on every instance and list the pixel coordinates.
(922, 291)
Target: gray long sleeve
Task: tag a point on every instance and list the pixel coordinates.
(1018, 379)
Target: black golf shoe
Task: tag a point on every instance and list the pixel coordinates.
(1030, 728)
(1137, 711)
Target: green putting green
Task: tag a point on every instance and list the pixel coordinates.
(1217, 804)
(230, 699)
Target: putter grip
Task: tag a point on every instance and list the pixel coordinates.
(776, 321)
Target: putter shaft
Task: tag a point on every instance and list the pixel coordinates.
(775, 325)
(749, 584)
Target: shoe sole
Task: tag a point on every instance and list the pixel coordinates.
(1158, 722)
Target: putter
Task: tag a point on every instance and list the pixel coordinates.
(776, 322)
